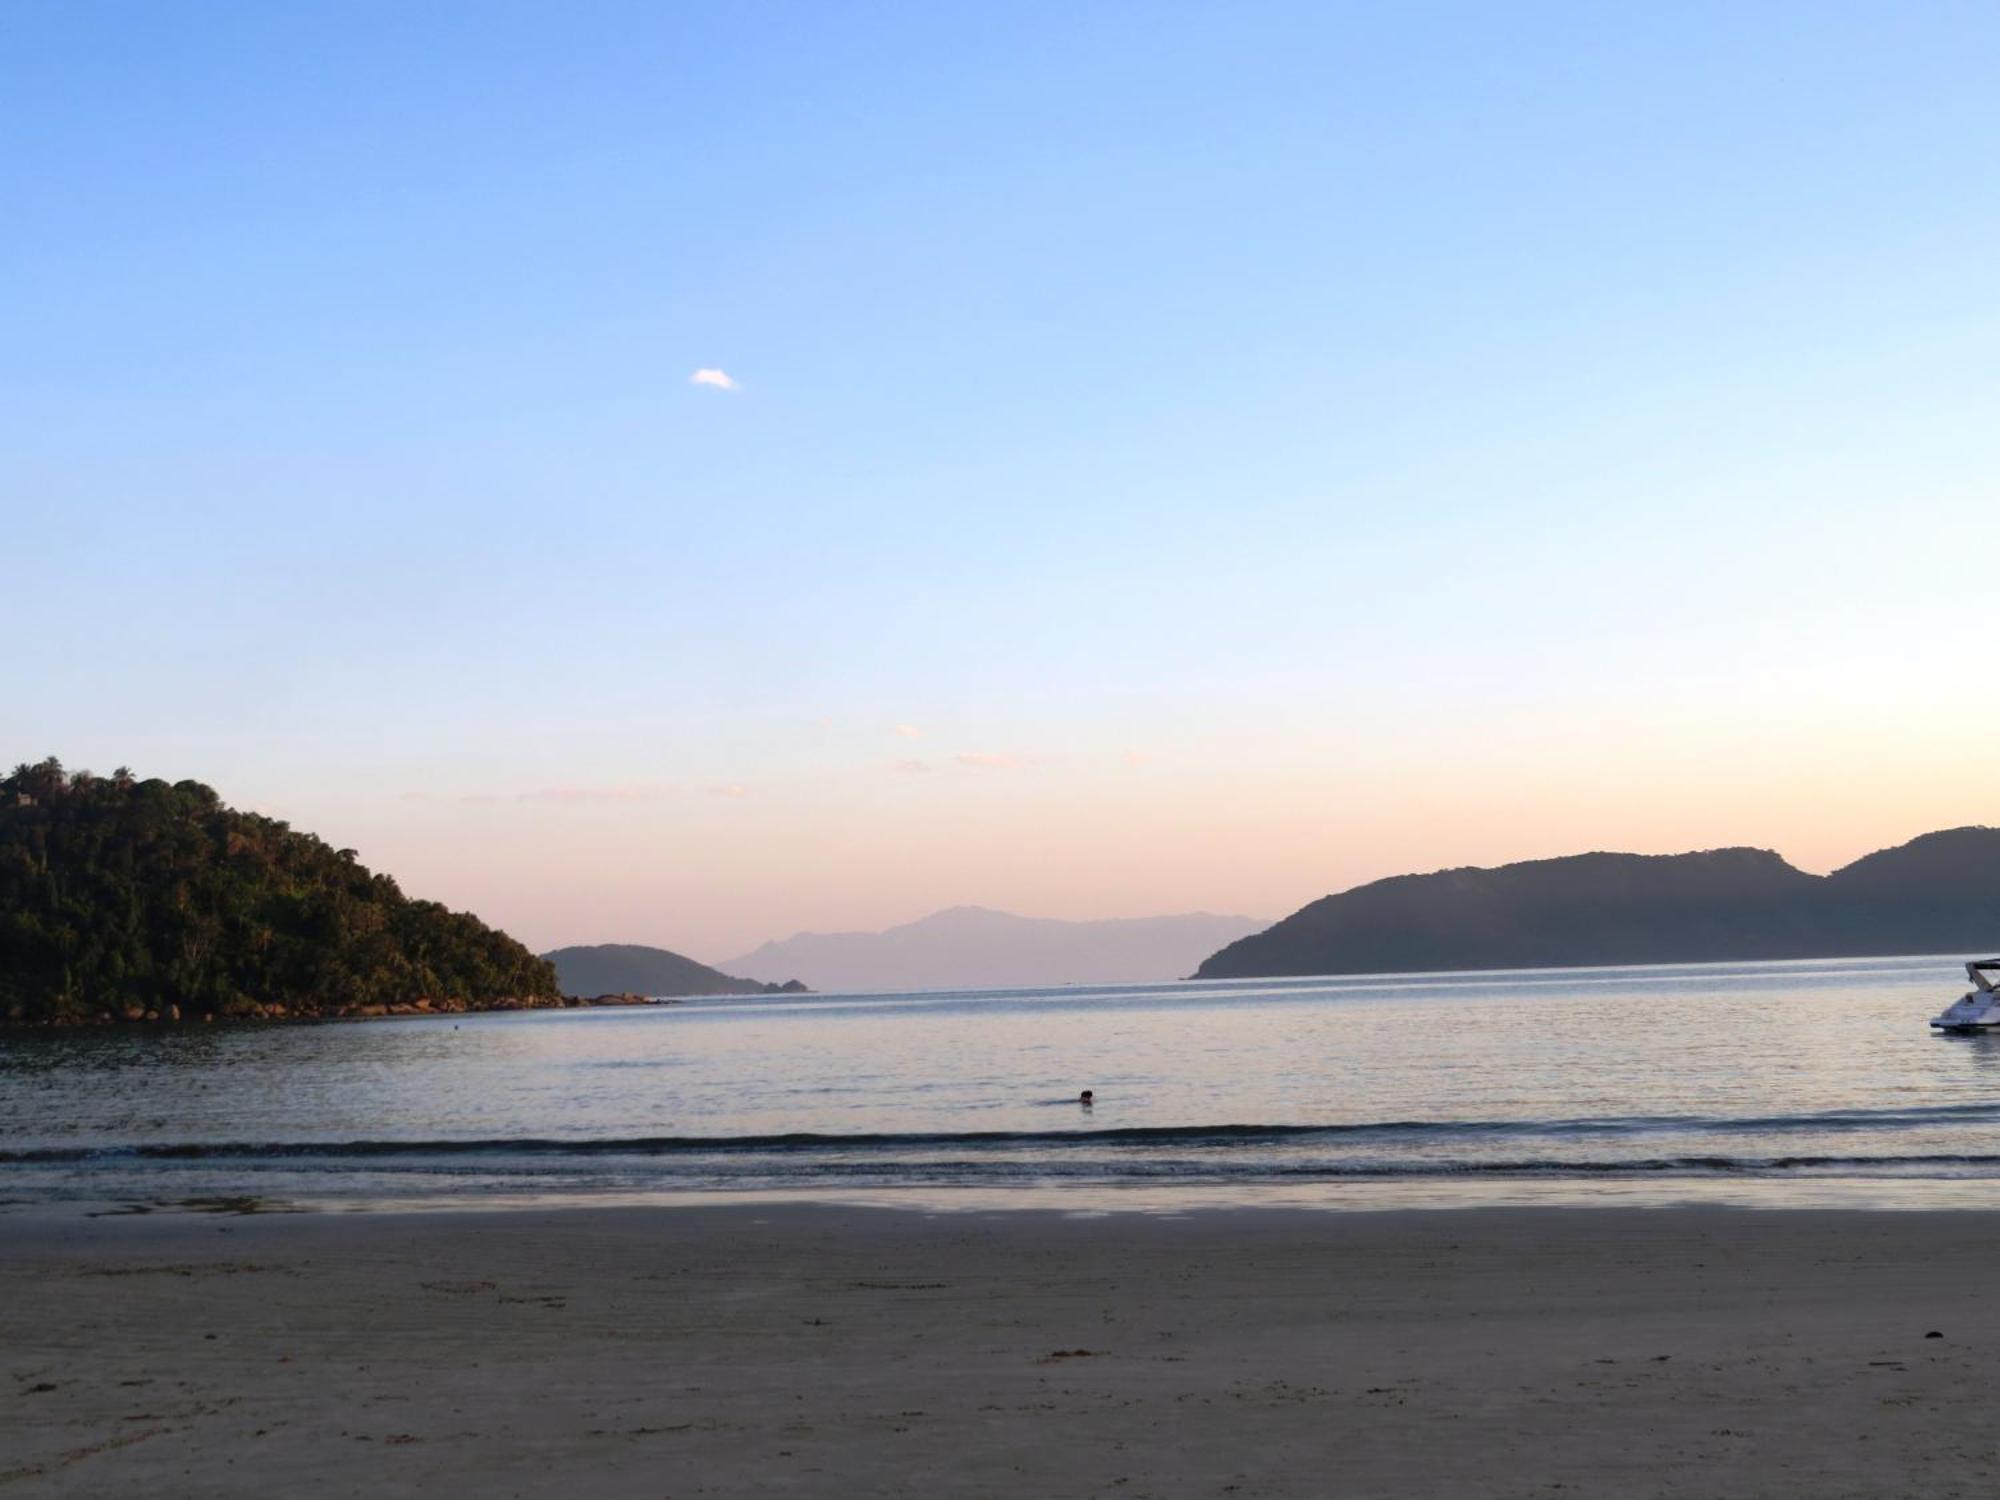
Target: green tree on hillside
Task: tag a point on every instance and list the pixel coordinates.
(118, 894)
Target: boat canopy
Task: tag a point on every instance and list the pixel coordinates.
(1981, 970)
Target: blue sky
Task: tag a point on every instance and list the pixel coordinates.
(1255, 447)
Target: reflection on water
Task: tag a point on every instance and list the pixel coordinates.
(1612, 1083)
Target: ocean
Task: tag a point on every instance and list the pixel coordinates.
(1809, 1083)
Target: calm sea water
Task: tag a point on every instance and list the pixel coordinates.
(1640, 1084)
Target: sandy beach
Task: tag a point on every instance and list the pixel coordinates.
(810, 1350)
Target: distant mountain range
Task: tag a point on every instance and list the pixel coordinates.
(1936, 894)
(972, 947)
(630, 969)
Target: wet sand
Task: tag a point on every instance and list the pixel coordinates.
(803, 1350)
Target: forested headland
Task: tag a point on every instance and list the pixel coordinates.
(129, 899)
(1939, 893)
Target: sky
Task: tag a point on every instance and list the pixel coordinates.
(689, 473)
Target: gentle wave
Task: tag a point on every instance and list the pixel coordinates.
(741, 1170)
(1181, 1169)
(1137, 1138)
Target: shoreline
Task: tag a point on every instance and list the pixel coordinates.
(751, 1349)
(266, 1014)
(246, 1194)
(158, 1018)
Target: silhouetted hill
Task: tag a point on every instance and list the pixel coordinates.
(967, 947)
(632, 969)
(1937, 894)
(122, 898)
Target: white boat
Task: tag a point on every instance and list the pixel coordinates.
(1979, 1008)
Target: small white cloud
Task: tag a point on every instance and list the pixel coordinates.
(733, 789)
(908, 732)
(720, 379)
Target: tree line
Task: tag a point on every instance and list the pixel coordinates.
(122, 897)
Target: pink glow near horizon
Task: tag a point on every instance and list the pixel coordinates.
(714, 875)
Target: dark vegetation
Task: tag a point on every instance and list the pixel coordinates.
(635, 969)
(129, 899)
(1936, 894)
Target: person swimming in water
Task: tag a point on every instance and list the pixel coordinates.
(1086, 1098)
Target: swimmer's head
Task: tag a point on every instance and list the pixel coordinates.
(1085, 1097)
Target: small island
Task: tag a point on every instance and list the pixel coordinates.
(633, 968)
